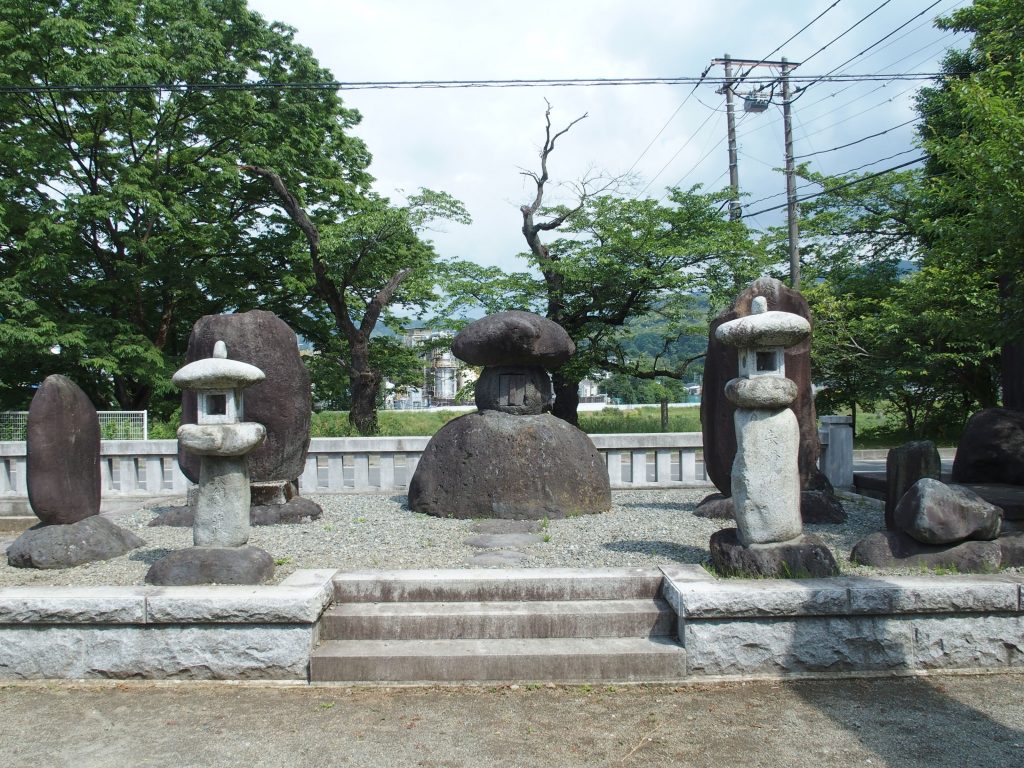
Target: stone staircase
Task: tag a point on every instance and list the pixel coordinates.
(522, 625)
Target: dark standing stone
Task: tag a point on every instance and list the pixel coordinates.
(212, 565)
(991, 449)
(935, 513)
(721, 364)
(63, 449)
(65, 546)
(513, 338)
(282, 402)
(904, 466)
(492, 464)
(805, 557)
(894, 549)
(818, 502)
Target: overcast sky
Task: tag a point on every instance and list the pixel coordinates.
(472, 142)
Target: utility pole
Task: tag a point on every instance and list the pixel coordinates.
(791, 210)
(754, 103)
(730, 116)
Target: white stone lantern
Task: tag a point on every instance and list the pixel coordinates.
(765, 472)
(222, 440)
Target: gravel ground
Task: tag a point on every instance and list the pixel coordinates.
(357, 532)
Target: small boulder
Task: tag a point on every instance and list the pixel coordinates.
(818, 501)
(65, 546)
(904, 466)
(513, 338)
(212, 565)
(63, 447)
(1012, 546)
(803, 557)
(991, 448)
(715, 506)
(293, 512)
(935, 513)
(895, 549)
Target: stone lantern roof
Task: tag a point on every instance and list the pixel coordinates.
(217, 373)
(764, 329)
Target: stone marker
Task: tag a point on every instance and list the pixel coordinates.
(991, 448)
(63, 447)
(935, 513)
(68, 545)
(717, 410)
(904, 466)
(765, 474)
(511, 459)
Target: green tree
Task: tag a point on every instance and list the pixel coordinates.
(358, 262)
(123, 213)
(973, 131)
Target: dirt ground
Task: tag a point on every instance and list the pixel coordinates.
(937, 721)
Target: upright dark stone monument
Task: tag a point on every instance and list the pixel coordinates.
(63, 449)
(282, 402)
(991, 448)
(63, 465)
(818, 502)
(904, 466)
(512, 459)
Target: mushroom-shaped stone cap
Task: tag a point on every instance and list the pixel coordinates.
(763, 328)
(513, 338)
(217, 373)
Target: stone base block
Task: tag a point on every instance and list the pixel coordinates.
(803, 557)
(894, 549)
(296, 510)
(212, 565)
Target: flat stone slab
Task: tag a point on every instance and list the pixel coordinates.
(497, 525)
(498, 557)
(212, 565)
(295, 511)
(504, 540)
(893, 549)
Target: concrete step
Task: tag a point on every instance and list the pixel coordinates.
(506, 584)
(564, 660)
(506, 619)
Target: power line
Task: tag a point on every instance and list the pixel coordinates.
(858, 141)
(789, 40)
(841, 186)
(678, 151)
(847, 31)
(877, 42)
(670, 119)
(336, 85)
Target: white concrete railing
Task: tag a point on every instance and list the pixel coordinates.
(381, 464)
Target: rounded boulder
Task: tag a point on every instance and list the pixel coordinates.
(513, 338)
(63, 446)
(497, 465)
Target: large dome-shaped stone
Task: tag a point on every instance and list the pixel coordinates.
(991, 448)
(493, 464)
(282, 402)
(63, 445)
(513, 338)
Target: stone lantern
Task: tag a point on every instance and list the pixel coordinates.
(221, 439)
(768, 539)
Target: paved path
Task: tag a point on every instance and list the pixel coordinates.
(902, 722)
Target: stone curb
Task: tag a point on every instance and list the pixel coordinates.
(299, 599)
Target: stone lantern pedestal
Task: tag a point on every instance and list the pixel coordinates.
(221, 439)
(768, 539)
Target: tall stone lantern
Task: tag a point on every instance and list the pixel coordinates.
(768, 539)
(222, 439)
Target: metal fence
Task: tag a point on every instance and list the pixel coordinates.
(114, 425)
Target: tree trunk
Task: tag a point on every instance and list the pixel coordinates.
(1012, 356)
(365, 384)
(567, 397)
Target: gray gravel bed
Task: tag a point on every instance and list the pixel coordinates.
(359, 532)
